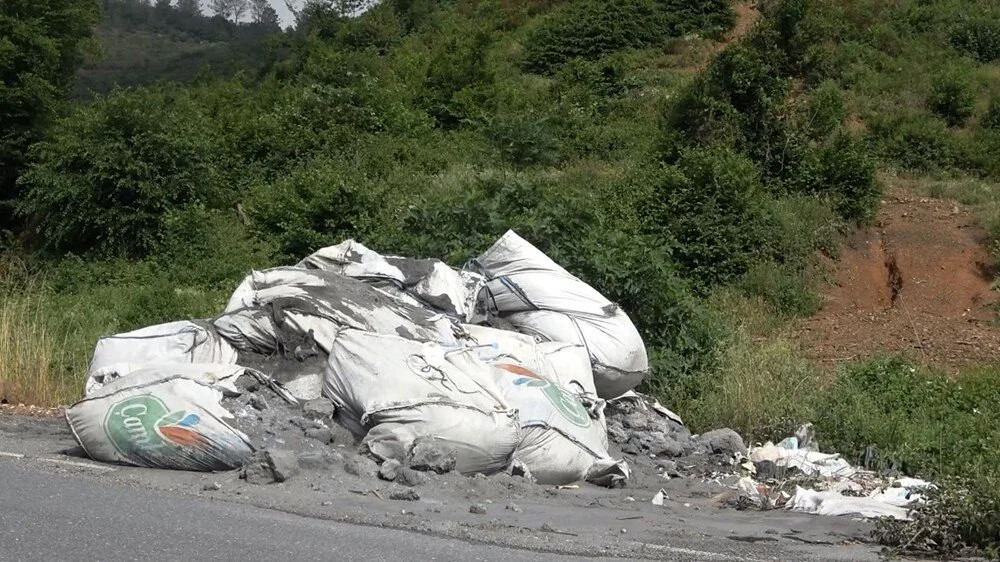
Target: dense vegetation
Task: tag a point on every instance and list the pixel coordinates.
(677, 181)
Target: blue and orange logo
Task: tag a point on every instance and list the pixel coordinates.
(565, 402)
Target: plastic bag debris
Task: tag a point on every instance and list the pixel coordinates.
(540, 298)
(878, 504)
(786, 454)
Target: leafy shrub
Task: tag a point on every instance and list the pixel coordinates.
(105, 179)
(978, 38)
(825, 111)
(991, 120)
(923, 422)
(42, 47)
(959, 519)
(952, 98)
(317, 205)
(848, 174)
(711, 17)
(914, 140)
(929, 424)
(710, 202)
(522, 139)
(590, 29)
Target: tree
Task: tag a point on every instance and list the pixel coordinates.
(229, 9)
(189, 7)
(262, 13)
(41, 47)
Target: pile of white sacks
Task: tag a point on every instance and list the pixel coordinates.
(506, 362)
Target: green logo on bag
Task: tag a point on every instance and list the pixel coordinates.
(143, 424)
(564, 402)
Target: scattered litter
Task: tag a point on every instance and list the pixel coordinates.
(659, 497)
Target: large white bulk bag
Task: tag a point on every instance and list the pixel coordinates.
(395, 390)
(174, 342)
(163, 416)
(540, 298)
(352, 259)
(566, 364)
(302, 300)
(430, 281)
(563, 439)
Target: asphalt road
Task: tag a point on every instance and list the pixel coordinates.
(51, 517)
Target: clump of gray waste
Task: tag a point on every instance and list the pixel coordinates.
(508, 364)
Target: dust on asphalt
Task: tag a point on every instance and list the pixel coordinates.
(320, 474)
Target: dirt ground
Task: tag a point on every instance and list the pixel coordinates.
(917, 282)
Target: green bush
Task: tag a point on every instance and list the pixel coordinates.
(923, 422)
(522, 139)
(590, 29)
(961, 518)
(991, 119)
(928, 424)
(711, 203)
(952, 98)
(825, 111)
(978, 37)
(42, 47)
(319, 204)
(848, 175)
(106, 177)
(914, 140)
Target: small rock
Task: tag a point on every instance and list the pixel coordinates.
(389, 469)
(477, 509)
(320, 408)
(404, 494)
(428, 455)
(361, 466)
(616, 432)
(319, 460)
(667, 465)
(322, 434)
(514, 507)
(624, 531)
(636, 420)
(303, 423)
(723, 441)
(212, 487)
(327, 503)
(407, 476)
(283, 464)
(257, 402)
(270, 465)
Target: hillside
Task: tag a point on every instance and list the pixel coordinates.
(767, 189)
(140, 44)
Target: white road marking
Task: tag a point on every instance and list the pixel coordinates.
(695, 552)
(76, 463)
